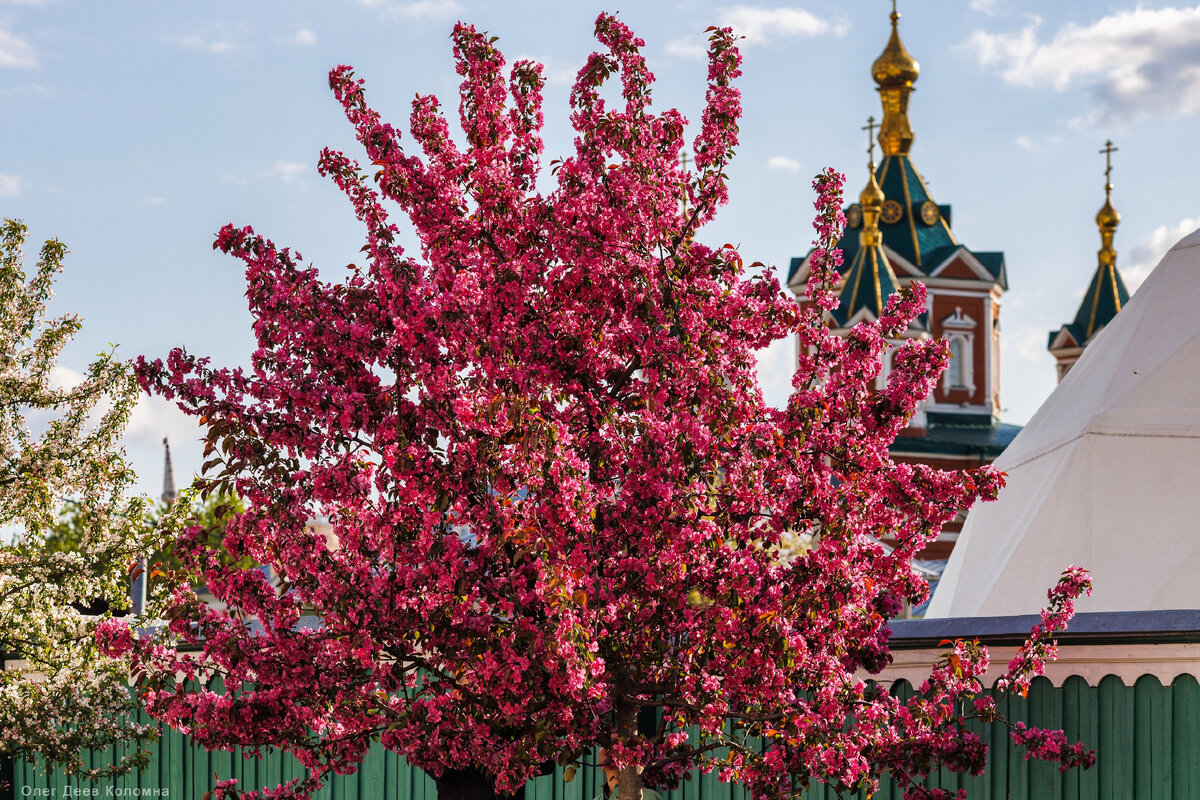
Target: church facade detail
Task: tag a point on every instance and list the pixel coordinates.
(897, 233)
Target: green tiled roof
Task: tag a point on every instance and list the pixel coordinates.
(909, 236)
(924, 246)
(869, 283)
(1105, 296)
(993, 262)
(794, 267)
(949, 439)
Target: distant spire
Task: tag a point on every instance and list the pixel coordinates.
(895, 71)
(168, 492)
(870, 280)
(871, 198)
(1105, 295)
(1107, 218)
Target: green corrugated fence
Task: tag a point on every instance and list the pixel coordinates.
(1146, 737)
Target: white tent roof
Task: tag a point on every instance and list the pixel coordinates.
(1107, 473)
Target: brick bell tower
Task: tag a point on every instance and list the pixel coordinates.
(908, 237)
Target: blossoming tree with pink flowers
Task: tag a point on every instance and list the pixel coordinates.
(555, 490)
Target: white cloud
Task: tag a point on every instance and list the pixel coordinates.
(434, 10)
(1027, 142)
(1028, 343)
(783, 163)
(288, 171)
(983, 6)
(691, 49)
(228, 178)
(1086, 122)
(776, 366)
(302, 38)
(154, 417)
(759, 25)
(39, 419)
(554, 73)
(1132, 63)
(197, 42)
(64, 377)
(11, 185)
(15, 52)
(151, 420)
(24, 89)
(155, 201)
(1145, 255)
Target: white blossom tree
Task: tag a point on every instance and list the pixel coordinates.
(58, 693)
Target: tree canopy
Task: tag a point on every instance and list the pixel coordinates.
(555, 490)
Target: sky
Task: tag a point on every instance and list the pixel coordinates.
(133, 130)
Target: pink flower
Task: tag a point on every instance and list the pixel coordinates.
(114, 637)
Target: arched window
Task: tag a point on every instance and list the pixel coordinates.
(956, 372)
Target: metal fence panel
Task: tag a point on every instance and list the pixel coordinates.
(1146, 737)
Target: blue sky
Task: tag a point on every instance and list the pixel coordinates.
(133, 130)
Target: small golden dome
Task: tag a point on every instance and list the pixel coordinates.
(872, 195)
(871, 200)
(1107, 217)
(894, 65)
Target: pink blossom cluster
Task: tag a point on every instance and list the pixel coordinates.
(1051, 746)
(555, 491)
(825, 259)
(1030, 660)
(954, 692)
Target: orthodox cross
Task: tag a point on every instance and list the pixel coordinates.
(684, 160)
(870, 129)
(1108, 151)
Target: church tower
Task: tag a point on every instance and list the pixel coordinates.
(869, 280)
(1105, 295)
(907, 236)
(168, 492)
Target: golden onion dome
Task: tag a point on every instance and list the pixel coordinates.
(872, 195)
(1108, 217)
(871, 200)
(895, 65)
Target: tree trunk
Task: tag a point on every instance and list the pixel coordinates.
(629, 778)
(629, 783)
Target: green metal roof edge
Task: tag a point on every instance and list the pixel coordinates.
(879, 273)
(1105, 296)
